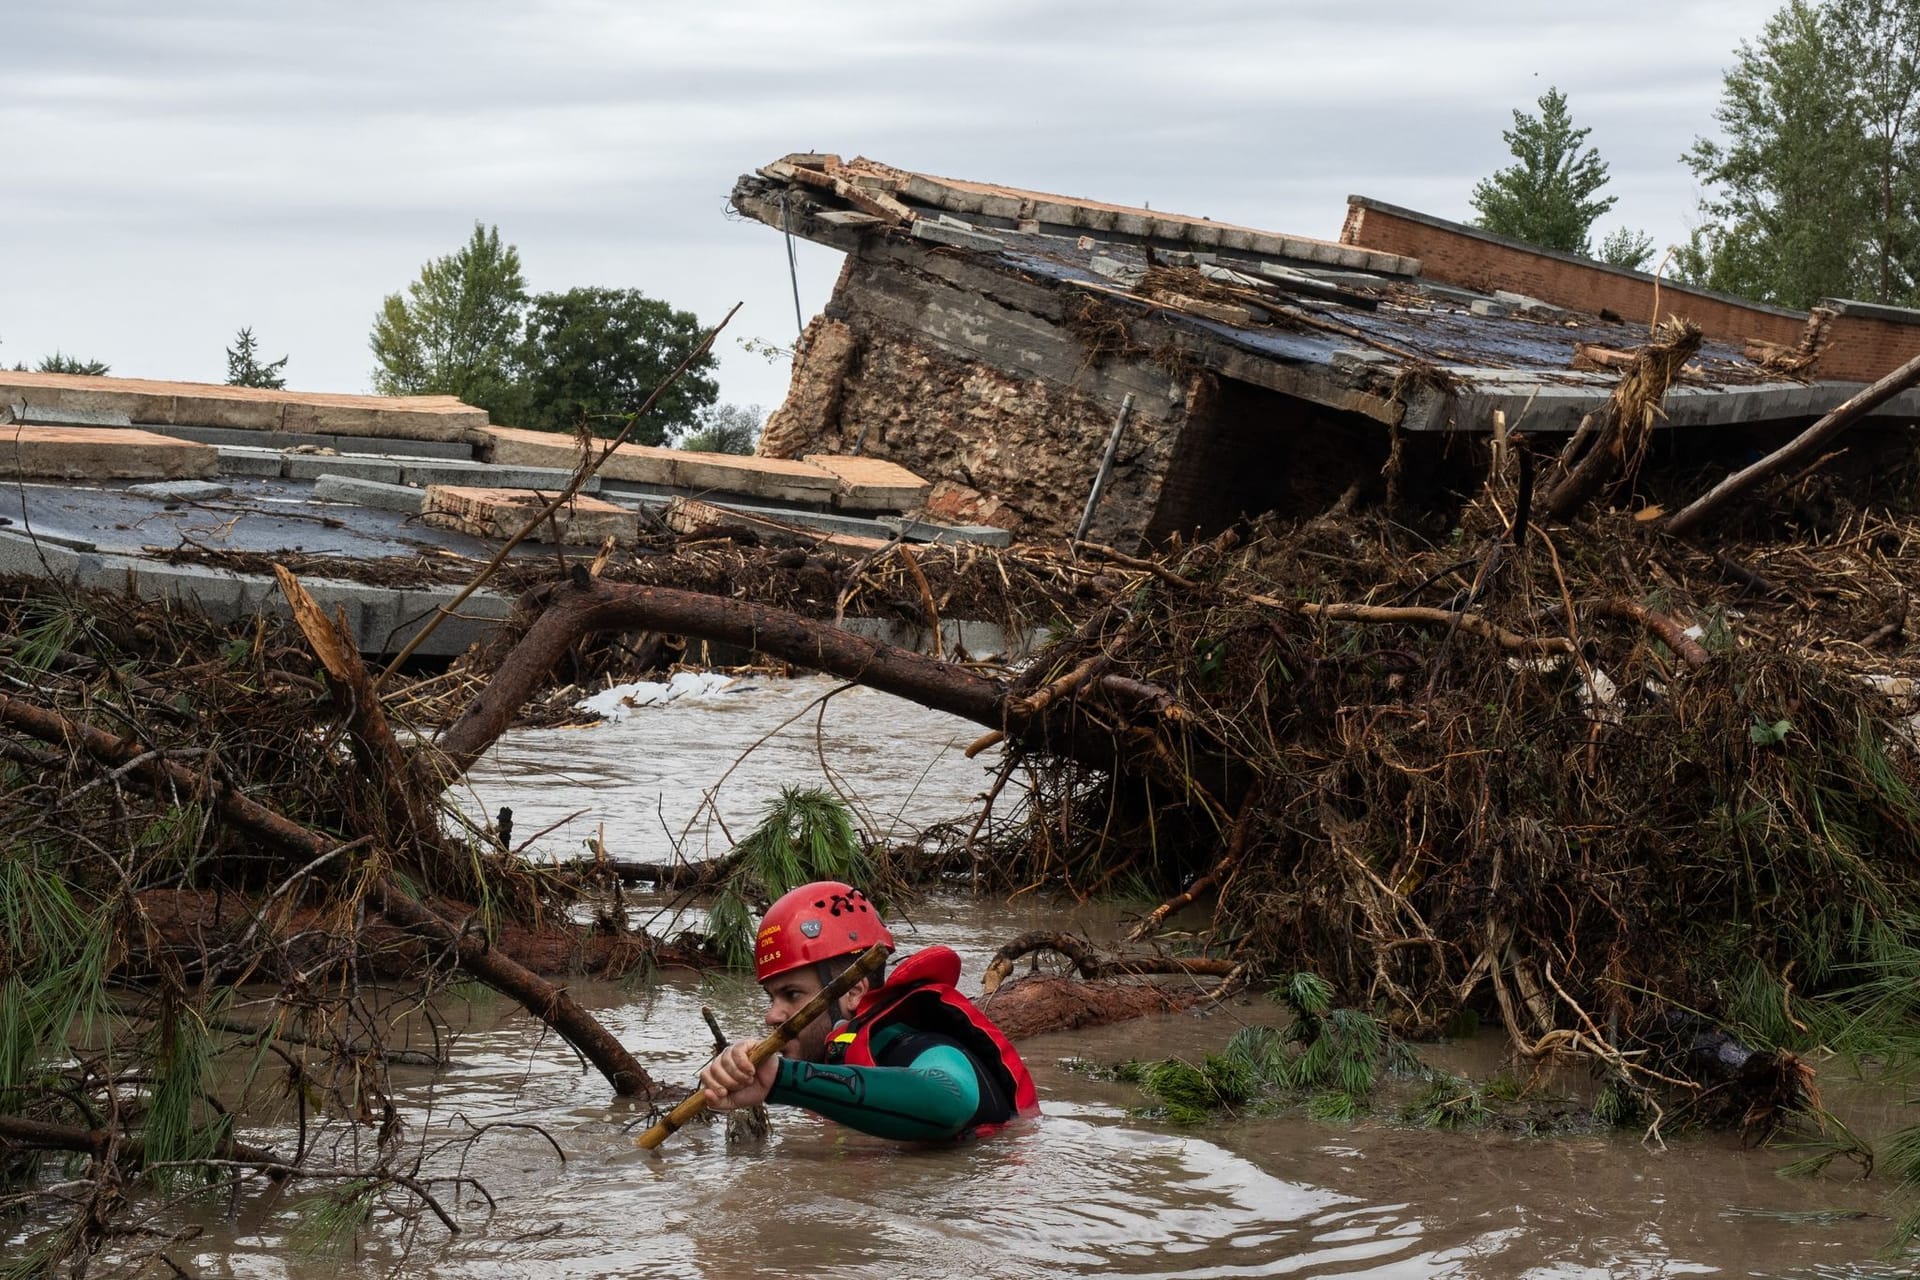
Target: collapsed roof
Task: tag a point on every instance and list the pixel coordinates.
(1066, 306)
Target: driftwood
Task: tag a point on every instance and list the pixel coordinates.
(151, 771)
(1091, 965)
(1801, 447)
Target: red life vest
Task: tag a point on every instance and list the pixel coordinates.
(920, 992)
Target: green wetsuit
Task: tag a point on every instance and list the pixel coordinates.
(931, 1096)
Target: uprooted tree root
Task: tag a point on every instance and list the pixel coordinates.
(1575, 786)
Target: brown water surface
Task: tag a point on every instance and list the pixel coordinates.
(1089, 1189)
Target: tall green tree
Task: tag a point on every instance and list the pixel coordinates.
(1811, 191)
(456, 329)
(1548, 197)
(593, 355)
(244, 368)
(1881, 40)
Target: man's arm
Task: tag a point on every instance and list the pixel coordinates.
(933, 1097)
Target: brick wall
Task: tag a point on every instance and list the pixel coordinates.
(1863, 343)
(1864, 347)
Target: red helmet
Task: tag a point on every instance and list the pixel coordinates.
(816, 922)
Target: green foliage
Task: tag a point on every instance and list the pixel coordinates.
(1765, 733)
(1448, 1102)
(727, 428)
(244, 368)
(1812, 191)
(1188, 1095)
(1626, 247)
(805, 834)
(1619, 1105)
(456, 329)
(56, 955)
(48, 628)
(594, 355)
(1308, 994)
(329, 1224)
(1329, 1058)
(61, 362)
(1548, 197)
(179, 1125)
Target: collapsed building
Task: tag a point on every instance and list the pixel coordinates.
(1058, 366)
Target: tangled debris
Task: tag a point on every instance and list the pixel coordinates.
(1617, 792)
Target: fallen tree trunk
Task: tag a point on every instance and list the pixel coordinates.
(585, 605)
(21, 1133)
(1709, 504)
(152, 771)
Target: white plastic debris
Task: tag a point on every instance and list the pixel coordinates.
(623, 700)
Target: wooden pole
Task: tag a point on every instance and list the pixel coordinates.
(870, 959)
(1106, 466)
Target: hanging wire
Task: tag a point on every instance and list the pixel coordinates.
(793, 269)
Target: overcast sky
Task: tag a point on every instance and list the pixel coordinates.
(174, 171)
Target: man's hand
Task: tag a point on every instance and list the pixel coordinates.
(731, 1081)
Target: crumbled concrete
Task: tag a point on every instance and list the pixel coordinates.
(182, 490)
(307, 466)
(927, 531)
(370, 493)
(871, 484)
(960, 237)
(502, 513)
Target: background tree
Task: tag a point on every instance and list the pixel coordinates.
(1812, 192)
(455, 331)
(1626, 247)
(244, 368)
(594, 355)
(727, 428)
(1880, 40)
(61, 362)
(1547, 198)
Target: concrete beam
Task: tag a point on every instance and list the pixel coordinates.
(773, 478)
(369, 493)
(100, 453)
(377, 446)
(248, 408)
(871, 484)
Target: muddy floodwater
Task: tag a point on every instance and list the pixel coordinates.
(1089, 1189)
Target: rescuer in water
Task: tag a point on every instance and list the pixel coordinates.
(907, 1057)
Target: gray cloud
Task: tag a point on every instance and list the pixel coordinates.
(175, 172)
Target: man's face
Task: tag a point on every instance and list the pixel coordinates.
(787, 992)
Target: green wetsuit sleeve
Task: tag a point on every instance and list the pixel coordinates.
(931, 1098)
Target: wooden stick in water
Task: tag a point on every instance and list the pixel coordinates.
(870, 959)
